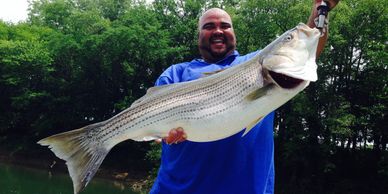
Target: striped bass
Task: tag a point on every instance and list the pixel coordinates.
(208, 109)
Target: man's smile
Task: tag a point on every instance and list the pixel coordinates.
(217, 41)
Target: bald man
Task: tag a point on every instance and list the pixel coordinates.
(235, 165)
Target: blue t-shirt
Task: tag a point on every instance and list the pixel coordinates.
(234, 165)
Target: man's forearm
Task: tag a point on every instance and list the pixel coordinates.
(311, 24)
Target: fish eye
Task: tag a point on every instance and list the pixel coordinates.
(289, 37)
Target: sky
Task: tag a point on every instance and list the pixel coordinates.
(13, 10)
(16, 10)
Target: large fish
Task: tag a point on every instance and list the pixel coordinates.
(208, 109)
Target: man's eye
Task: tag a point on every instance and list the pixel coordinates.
(225, 26)
(207, 27)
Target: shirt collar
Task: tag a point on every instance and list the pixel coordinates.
(223, 61)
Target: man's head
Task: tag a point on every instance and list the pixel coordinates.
(216, 35)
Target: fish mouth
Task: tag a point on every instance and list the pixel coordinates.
(285, 81)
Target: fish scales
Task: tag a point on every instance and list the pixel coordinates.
(208, 109)
(208, 100)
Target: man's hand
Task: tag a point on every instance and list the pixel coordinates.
(314, 12)
(175, 135)
(313, 17)
(331, 3)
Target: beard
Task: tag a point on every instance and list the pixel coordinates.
(215, 54)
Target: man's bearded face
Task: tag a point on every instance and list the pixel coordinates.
(216, 36)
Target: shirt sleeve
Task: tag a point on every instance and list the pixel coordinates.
(163, 80)
(171, 75)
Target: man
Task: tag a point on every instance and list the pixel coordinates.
(234, 165)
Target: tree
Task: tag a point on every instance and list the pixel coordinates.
(75, 62)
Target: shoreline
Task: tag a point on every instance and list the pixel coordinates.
(138, 181)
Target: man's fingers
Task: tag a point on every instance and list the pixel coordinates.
(158, 141)
(175, 136)
(171, 136)
(332, 3)
(181, 136)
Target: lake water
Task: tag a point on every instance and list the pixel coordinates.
(21, 180)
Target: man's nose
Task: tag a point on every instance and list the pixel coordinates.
(218, 31)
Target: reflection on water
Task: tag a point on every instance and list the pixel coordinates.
(21, 180)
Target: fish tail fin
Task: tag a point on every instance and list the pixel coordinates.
(83, 153)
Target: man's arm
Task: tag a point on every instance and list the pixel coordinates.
(311, 23)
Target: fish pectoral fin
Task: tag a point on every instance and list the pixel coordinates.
(251, 125)
(258, 93)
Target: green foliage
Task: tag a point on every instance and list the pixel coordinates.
(257, 23)
(54, 14)
(343, 112)
(25, 81)
(76, 62)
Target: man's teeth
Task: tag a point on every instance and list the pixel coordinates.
(217, 41)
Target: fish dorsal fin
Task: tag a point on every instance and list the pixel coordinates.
(151, 91)
(251, 125)
(157, 88)
(205, 74)
(258, 93)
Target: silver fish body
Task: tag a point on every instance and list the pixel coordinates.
(208, 109)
